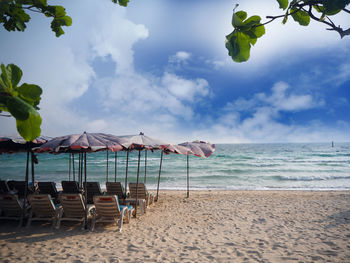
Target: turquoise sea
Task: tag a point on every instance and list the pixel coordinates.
(302, 166)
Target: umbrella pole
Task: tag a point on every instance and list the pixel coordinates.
(137, 181)
(26, 186)
(82, 170)
(188, 177)
(126, 171)
(107, 168)
(70, 164)
(79, 168)
(32, 159)
(160, 170)
(115, 166)
(73, 167)
(85, 190)
(144, 180)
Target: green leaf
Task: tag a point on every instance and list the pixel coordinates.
(300, 16)
(332, 7)
(238, 45)
(283, 4)
(121, 2)
(14, 73)
(30, 128)
(30, 93)
(238, 17)
(18, 108)
(252, 21)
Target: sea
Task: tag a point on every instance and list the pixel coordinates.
(280, 166)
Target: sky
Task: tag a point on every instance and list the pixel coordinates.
(161, 67)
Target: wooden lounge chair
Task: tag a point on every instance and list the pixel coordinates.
(70, 187)
(18, 187)
(142, 193)
(43, 208)
(12, 208)
(116, 188)
(4, 189)
(92, 188)
(109, 210)
(73, 209)
(49, 188)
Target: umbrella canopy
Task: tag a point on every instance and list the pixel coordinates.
(141, 141)
(86, 142)
(13, 144)
(199, 148)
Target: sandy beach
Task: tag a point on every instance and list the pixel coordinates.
(210, 226)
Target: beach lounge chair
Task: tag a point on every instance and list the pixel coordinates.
(109, 210)
(73, 209)
(12, 208)
(116, 188)
(4, 189)
(142, 193)
(70, 187)
(18, 187)
(49, 188)
(92, 188)
(43, 208)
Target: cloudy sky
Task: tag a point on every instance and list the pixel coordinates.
(161, 67)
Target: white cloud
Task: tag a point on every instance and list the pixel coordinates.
(257, 119)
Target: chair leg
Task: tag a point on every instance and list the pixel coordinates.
(59, 218)
(93, 222)
(30, 219)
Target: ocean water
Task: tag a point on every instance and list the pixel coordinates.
(302, 166)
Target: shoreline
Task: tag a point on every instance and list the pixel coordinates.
(209, 226)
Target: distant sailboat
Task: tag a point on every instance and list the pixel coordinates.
(332, 144)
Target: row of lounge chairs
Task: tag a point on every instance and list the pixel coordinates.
(70, 206)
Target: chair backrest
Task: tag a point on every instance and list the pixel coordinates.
(107, 205)
(48, 188)
(18, 186)
(10, 205)
(141, 190)
(70, 187)
(4, 187)
(115, 188)
(92, 188)
(42, 205)
(73, 205)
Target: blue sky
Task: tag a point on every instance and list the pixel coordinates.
(161, 67)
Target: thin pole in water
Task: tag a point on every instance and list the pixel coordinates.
(144, 180)
(160, 170)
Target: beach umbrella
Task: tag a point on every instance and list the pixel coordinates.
(142, 142)
(83, 143)
(199, 149)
